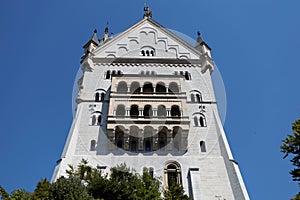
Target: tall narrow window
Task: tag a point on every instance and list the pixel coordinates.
(202, 121)
(99, 120)
(196, 121)
(192, 98)
(187, 75)
(148, 138)
(93, 145)
(107, 75)
(102, 96)
(97, 97)
(119, 137)
(198, 97)
(202, 146)
(94, 120)
(162, 137)
(172, 173)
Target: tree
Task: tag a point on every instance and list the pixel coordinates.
(42, 189)
(291, 146)
(3, 194)
(175, 192)
(68, 188)
(20, 194)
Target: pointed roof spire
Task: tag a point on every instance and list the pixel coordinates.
(94, 39)
(200, 41)
(106, 28)
(147, 12)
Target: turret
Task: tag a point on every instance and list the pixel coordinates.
(202, 46)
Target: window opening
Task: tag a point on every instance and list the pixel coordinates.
(202, 146)
(134, 111)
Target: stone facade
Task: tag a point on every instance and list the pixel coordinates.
(146, 98)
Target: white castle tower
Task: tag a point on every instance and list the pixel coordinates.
(146, 99)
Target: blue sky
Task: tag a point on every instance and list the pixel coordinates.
(255, 45)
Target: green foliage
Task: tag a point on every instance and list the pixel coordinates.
(70, 188)
(175, 192)
(20, 194)
(42, 189)
(3, 194)
(87, 183)
(291, 146)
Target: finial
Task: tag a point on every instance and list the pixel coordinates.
(106, 28)
(199, 39)
(147, 12)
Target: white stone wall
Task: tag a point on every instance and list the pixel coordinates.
(205, 175)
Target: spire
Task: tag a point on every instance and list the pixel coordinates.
(147, 12)
(105, 36)
(200, 41)
(95, 37)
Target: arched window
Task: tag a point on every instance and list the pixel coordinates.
(172, 173)
(187, 76)
(176, 134)
(120, 110)
(135, 88)
(148, 138)
(202, 121)
(173, 88)
(97, 97)
(148, 88)
(99, 120)
(161, 111)
(143, 53)
(162, 137)
(147, 53)
(107, 76)
(175, 111)
(122, 87)
(94, 120)
(133, 143)
(152, 53)
(133, 139)
(196, 121)
(151, 172)
(102, 96)
(113, 72)
(198, 97)
(148, 111)
(192, 98)
(119, 137)
(134, 111)
(202, 146)
(119, 72)
(93, 145)
(160, 88)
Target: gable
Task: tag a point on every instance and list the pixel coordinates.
(146, 39)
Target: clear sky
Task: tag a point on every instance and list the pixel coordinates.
(255, 45)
